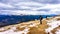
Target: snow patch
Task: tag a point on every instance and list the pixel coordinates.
(11, 31)
(58, 31)
(52, 24)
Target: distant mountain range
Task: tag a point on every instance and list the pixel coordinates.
(14, 19)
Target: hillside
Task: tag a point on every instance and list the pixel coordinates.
(50, 25)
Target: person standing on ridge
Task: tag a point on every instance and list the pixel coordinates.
(46, 17)
(41, 19)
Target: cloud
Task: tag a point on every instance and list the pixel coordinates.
(5, 5)
(48, 1)
(21, 6)
(40, 1)
(18, 7)
(28, 12)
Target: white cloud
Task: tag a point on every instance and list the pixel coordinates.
(5, 5)
(33, 8)
(51, 6)
(29, 5)
(18, 12)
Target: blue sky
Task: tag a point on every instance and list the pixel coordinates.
(29, 7)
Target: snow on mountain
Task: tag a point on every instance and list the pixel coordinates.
(50, 25)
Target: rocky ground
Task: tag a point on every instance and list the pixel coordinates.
(50, 25)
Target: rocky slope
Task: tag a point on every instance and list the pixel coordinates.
(48, 26)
